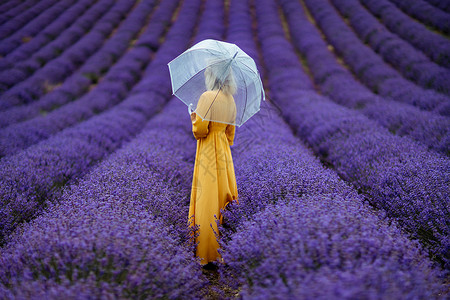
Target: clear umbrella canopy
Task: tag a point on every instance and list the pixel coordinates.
(217, 66)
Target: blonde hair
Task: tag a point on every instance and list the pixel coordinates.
(218, 75)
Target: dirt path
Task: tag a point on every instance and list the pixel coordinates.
(216, 289)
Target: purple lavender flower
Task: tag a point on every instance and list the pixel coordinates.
(24, 17)
(434, 45)
(340, 85)
(399, 175)
(325, 247)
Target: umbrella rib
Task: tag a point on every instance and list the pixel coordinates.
(228, 66)
(213, 101)
(248, 67)
(245, 84)
(189, 79)
(196, 73)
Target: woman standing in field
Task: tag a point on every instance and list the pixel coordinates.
(214, 182)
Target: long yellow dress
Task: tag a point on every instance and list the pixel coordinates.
(214, 181)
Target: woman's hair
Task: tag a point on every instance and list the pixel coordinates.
(218, 75)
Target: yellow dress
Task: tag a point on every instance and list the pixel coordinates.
(214, 181)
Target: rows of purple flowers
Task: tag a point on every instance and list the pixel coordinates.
(444, 5)
(412, 63)
(112, 88)
(121, 231)
(143, 248)
(34, 176)
(400, 176)
(369, 67)
(299, 231)
(33, 27)
(92, 71)
(426, 13)
(122, 183)
(338, 83)
(436, 46)
(47, 34)
(15, 9)
(326, 247)
(19, 20)
(44, 69)
(6, 9)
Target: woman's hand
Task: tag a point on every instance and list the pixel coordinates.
(193, 116)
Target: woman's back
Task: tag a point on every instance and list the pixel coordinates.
(218, 106)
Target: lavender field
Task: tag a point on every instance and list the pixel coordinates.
(343, 175)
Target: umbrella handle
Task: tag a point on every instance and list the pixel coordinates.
(190, 110)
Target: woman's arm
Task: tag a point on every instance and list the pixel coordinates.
(199, 126)
(230, 131)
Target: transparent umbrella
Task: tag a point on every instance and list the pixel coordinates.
(217, 66)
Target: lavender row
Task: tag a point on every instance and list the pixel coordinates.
(38, 173)
(6, 8)
(111, 244)
(160, 21)
(426, 13)
(129, 214)
(412, 63)
(111, 89)
(26, 50)
(91, 72)
(47, 166)
(122, 39)
(33, 27)
(137, 186)
(338, 83)
(16, 10)
(58, 69)
(432, 44)
(142, 181)
(326, 247)
(369, 67)
(292, 234)
(444, 5)
(398, 175)
(16, 22)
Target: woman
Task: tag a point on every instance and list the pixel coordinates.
(214, 182)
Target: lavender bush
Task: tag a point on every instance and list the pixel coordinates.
(369, 67)
(54, 32)
(24, 16)
(7, 8)
(285, 239)
(326, 247)
(434, 45)
(28, 183)
(78, 84)
(105, 248)
(61, 67)
(444, 5)
(399, 176)
(339, 84)
(143, 249)
(106, 94)
(160, 183)
(426, 13)
(34, 27)
(413, 64)
(97, 206)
